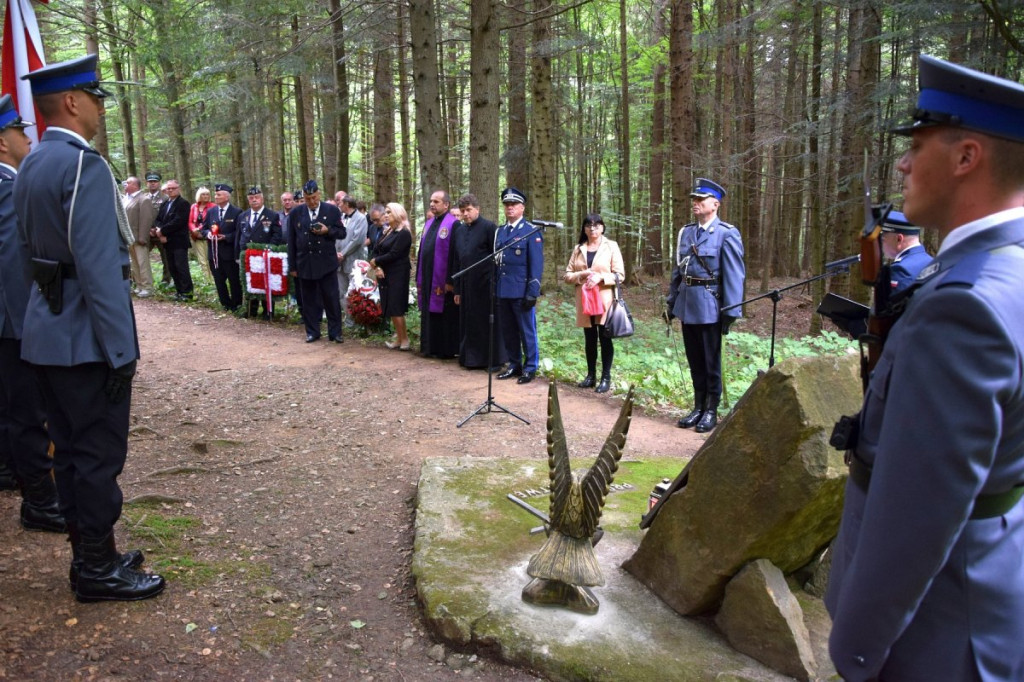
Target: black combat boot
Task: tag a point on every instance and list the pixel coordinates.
(710, 417)
(695, 415)
(130, 559)
(605, 384)
(102, 577)
(39, 509)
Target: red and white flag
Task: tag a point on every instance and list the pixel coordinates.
(22, 53)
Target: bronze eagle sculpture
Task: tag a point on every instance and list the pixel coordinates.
(566, 565)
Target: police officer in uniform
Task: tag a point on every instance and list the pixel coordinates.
(314, 226)
(519, 271)
(79, 329)
(708, 276)
(927, 577)
(24, 443)
(901, 243)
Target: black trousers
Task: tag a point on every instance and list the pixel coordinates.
(90, 439)
(177, 262)
(591, 335)
(225, 276)
(25, 443)
(703, 343)
(318, 296)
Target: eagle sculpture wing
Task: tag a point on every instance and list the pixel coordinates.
(596, 482)
(560, 472)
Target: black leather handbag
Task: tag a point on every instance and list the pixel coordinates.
(618, 323)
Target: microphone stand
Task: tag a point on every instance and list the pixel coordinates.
(831, 270)
(490, 405)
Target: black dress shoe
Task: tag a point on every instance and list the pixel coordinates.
(526, 378)
(336, 339)
(310, 338)
(690, 420)
(707, 422)
(511, 372)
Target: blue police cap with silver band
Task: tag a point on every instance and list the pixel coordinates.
(9, 117)
(705, 188)
(953, 95)
(74, 74)
(511, 195)
(898, 223)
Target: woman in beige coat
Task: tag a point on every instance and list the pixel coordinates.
(595, 262)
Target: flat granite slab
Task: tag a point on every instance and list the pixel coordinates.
(470, 555)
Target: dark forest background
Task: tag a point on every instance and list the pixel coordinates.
(610, 106)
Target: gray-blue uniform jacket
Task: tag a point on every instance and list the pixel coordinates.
(14, 283)
(919, 590)
(710, 278)
(74, 221)
(521, 266)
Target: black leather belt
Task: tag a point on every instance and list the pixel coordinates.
(985, 506)
(697, 282)
(70, 272)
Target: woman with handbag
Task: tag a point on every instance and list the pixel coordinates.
(595, 267)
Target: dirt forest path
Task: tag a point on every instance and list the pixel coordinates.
(295, 467)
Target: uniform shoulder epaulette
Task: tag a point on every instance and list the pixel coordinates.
(729, 226)
(966, 271)
(5, 174)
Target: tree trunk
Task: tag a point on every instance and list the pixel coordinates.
(626, 239)
(542, 146)
(517, 142)
(301, 105)
(427, 87)
(405, 161)
(92, 46)
(385, 176)
(343, 120)
(483, 118)
(682, 111)
(653, 253)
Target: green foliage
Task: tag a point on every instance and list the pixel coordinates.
(654, 360)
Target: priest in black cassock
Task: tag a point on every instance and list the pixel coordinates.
(439, 316)
(474, 240)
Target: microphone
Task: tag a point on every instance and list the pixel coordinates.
(843, 262)
(547, 223)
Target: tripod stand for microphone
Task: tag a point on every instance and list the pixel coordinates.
(831, 270)
(490, 405)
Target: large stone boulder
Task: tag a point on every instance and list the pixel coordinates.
(765, 485)
(762, 619)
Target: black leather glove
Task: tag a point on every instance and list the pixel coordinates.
(119, 382)
(668, 312)
(726, 323)
(529, 303)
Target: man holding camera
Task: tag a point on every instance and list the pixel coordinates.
(312, 259)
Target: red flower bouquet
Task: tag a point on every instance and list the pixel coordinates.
(363, 309)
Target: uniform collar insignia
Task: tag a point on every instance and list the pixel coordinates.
(929, 270)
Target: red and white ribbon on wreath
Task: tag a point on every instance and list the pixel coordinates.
(265, 273)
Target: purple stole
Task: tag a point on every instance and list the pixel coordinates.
(440, 272)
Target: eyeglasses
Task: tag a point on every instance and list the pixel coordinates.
(594, 226)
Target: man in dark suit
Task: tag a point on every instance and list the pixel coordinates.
(314, 226)
(79, 328)
(257, 225)
(172, 225)
(24, 443)
(219, 228)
